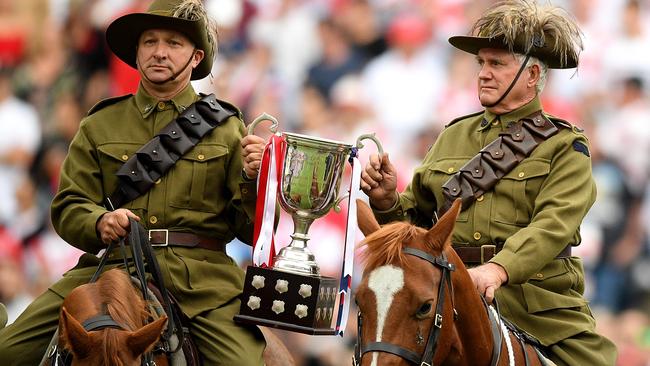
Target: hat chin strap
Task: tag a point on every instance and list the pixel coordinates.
(512, 84)
(175, 75)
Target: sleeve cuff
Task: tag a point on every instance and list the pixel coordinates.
(507, 260)
(248, 190)
(395, 213)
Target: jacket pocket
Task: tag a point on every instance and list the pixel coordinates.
(515, 193)
(198, 180)
(554, 287)
(111, 157)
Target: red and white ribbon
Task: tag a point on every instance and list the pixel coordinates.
(267, 192)
(348, 257)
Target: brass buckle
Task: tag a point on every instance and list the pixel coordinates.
(494, 251)
(166, 243)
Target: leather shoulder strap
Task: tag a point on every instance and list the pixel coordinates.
(106, 102)
(154, 159)
(482, 172)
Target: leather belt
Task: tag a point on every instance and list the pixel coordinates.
(164, 237)
(482, 254)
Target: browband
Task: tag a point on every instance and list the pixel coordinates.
(482, 172)
(138, 174)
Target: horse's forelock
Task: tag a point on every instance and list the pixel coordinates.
(384, 246)
(110, 344)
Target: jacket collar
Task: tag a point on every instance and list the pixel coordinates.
(512, 116)
(147, 104)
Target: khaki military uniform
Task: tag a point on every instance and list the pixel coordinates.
(535, 211)
(204, 194)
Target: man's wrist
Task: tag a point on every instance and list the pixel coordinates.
(387, 203)
(245, 176)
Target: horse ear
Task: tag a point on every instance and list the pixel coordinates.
(143, 339)
(74, 336)
(439, 235)
(366, 219)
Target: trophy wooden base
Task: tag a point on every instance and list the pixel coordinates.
(289, 301)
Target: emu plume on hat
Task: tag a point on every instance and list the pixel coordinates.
(186, 16)
(546, 32)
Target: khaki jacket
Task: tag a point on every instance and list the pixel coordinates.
(204, 193)
(535, 211)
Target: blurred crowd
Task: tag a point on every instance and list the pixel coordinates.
(335, 69)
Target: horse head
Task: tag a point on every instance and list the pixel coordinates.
(401, 297)
(103, 323)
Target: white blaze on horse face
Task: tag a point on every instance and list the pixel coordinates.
(385, 282)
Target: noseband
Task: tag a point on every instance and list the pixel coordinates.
(430, 349)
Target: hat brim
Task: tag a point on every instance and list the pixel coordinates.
(123, 34)
(545, 54)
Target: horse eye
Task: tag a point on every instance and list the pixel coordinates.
(424, 309)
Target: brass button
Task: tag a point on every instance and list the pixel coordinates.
(477, 235)
(496, 122)
(201, 156)
(480, 198)
(158, 181)
(539, 275)
(161, 106)
(451, 169)
(153, 219)
(244, 191)
(125, 157)
(521, 174)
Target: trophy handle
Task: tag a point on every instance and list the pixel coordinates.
(370, 136)
(263, 117)
(380, 149)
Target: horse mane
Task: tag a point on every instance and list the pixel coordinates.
(123, 303)
(384, 246)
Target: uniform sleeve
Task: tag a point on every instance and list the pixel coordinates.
(241, 208)
(560, 206)
(77, 205)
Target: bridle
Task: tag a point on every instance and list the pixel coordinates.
(426, 359)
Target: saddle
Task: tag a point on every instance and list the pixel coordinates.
(502, 327)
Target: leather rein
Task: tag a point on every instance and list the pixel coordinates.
(426, 359)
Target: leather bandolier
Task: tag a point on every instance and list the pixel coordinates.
(138, 174)
(482, 172)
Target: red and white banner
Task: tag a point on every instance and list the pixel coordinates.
(267, 193)
(348, 250)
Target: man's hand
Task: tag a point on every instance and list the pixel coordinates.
(252, 150)
(488, 278)
(379, 182)
(114, 225)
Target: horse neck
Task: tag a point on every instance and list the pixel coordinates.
(473, 324)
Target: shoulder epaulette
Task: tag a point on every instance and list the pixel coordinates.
(106, 102)
(559, 121)
(463, 117)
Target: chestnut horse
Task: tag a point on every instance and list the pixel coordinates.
(412, 310)
(103, 323)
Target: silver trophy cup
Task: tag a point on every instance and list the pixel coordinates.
(309, 187)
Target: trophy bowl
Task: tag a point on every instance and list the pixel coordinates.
(311, 178)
